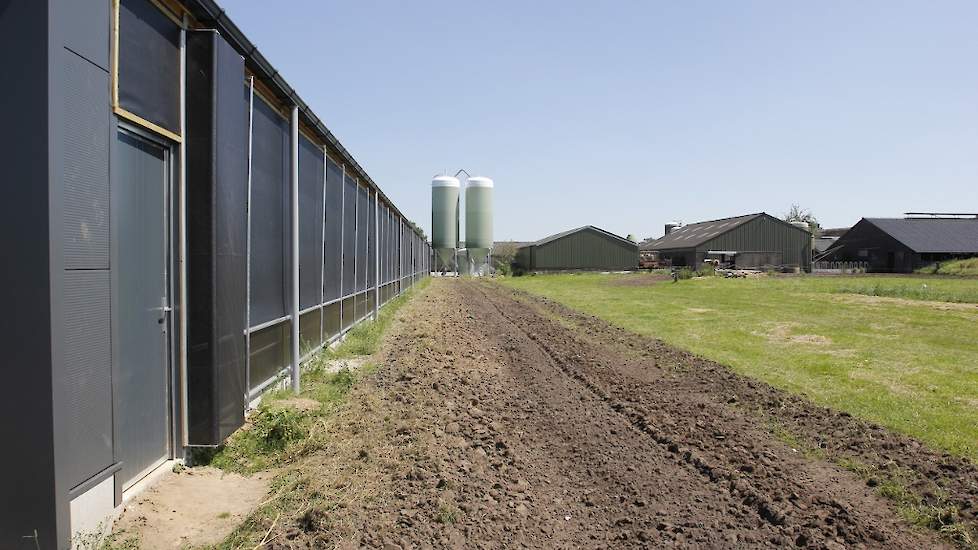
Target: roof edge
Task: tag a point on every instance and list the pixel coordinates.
(569, 232)
(210, 13)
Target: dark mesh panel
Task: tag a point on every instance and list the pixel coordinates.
(363, 234)
(269, 212)
(310, 223)
(348, 313)
(381, 240)
(217, 129)
(388, 244)
(269, 348)
(310, 334)
(396, 251)
(391, 247)
(334, 224)
(384, 244)
(149, 64)
(349, 236)
(371, 242)
(405, 250)
(331, 321)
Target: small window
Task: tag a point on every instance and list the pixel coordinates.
(148, 79)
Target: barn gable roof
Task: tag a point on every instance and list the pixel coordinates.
(931, 235)
(563, 234)
(695, 234)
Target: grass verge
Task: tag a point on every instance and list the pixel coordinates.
(287, 427)
(962, 268)
(917, 290)
(911, 366)
(897, 485)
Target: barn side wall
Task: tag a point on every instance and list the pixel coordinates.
(765, 234)
(587, 250)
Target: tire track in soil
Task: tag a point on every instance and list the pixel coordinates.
(492, 424)
(766, 510)
(937, 478)
(835, 510)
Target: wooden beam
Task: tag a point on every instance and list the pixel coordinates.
(140, 121)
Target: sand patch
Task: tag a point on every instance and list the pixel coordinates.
(301, 404)
(780, 333)
(195, 507)
(640, 280)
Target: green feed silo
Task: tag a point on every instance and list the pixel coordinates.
(444, 218)
(478, 220)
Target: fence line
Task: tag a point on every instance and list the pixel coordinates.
(839, 267)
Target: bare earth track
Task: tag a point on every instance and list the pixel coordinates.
(501, 420)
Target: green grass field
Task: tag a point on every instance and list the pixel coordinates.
(887, 349)
(967, 267)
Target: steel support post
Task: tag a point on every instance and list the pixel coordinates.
(294, 181)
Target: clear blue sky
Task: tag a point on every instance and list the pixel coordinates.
(629, 114)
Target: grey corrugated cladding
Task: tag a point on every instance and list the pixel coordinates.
(932, 235)
(584, 248)
(695, 234)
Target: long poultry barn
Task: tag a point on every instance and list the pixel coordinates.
(181, 232)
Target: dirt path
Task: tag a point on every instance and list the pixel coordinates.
(497, 420)
(193, 507)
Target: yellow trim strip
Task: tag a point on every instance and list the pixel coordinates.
(115, 53)
(136, 119)
(169, 13)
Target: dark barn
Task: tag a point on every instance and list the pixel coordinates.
(901, 245)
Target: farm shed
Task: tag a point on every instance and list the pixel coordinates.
(583, 248)
(901, 245)
(180, 230)
(749, 241)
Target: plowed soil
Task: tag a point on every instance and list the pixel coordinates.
(498, 420)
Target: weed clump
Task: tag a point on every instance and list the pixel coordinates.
(276, 427)
(896, 485)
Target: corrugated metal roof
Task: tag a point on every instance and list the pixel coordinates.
(932, 235)
(562, 234)
(824, 243)
(695, 234)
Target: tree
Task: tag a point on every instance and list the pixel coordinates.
(799, 214)
(417, 228)
(632, 238)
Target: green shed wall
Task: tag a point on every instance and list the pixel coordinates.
(582, 250)
(765, 234)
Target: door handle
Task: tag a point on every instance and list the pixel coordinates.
(164, 310)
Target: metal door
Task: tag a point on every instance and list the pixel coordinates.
(141, 185)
